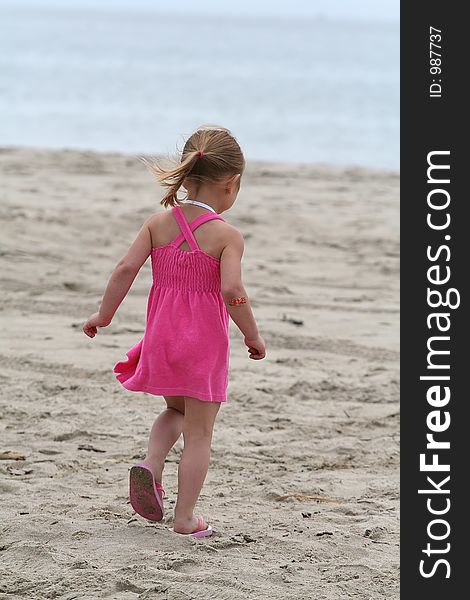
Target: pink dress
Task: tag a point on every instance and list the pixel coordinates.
(185, 349)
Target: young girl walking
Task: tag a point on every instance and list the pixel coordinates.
(184, 353)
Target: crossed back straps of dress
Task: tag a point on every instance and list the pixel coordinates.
(188, 228)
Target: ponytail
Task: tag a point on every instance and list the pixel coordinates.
(172, 179)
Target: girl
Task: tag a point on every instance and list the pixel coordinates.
(184, 353)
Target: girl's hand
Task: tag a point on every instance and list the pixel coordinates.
(95, 321)
(256, 348)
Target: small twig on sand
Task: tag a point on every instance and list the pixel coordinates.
(306, 497)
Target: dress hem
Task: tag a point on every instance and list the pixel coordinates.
(174, 392)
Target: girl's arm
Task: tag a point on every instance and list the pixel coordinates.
(235, 295)
(121, 280)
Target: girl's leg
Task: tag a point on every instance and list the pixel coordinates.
(165, 431)
(198, 426)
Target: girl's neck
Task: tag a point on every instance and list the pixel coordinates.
(199, 203)
(212, 200)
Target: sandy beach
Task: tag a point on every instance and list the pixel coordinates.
(303, 486)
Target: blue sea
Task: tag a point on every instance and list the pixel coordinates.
(291, 88)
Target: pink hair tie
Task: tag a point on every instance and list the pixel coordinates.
(201, 154)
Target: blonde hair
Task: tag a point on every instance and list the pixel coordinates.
(211, 153)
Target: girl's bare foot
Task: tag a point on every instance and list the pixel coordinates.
(188, 525)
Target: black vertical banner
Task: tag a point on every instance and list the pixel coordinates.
(435, 252)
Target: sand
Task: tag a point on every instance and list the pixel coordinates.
(303, 486)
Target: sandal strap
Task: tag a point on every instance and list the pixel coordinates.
(159, 486)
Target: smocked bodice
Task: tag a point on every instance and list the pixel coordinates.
(184, 270)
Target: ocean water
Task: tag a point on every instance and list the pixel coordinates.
(134, 80)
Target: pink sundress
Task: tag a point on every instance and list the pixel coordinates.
(185, 350)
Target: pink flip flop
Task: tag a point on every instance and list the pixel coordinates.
(146, 494)
(199, 533)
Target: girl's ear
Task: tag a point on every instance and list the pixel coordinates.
(232, 183)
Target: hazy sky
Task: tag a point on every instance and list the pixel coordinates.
(387, 10)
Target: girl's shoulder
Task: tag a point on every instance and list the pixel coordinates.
(234, 239)
(159, 216)
(227, 233)
(233, 231)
